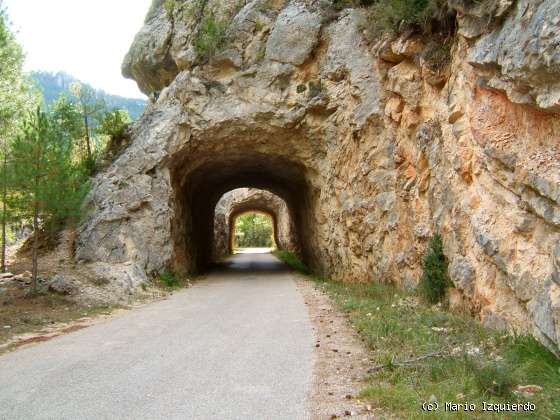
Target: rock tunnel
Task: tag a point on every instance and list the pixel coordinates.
(198, 194)
(372, 149)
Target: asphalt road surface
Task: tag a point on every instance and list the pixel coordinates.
(237, 345)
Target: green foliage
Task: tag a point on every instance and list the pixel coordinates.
(435, 278)
(397, 16)
(253, 230)
(397, 326)
(169, 6)
(16, 97)
(169, 279)
(90, 106)
(66, 116)
(45, 177)
(114, 123)
(492, 378)
(292, 261)
(210, 38)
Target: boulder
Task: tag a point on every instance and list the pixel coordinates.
(62, 285)
(294, 35)
(462, 273)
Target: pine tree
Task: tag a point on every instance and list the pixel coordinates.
(50, 184)
(114, 123)
(435, 278)
(16, 98)
(90, 107)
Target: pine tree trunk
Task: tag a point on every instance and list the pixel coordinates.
(35, 245)
(4, 209)
(88, 141)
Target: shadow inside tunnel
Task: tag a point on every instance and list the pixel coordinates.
(259, 262)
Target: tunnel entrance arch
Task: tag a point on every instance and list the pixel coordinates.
(198, 191)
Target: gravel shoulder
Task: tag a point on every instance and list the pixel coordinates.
(341, 359)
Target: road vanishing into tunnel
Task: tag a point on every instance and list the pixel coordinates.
(236, 345)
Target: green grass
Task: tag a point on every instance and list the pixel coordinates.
(292, 261)
(169, 279)
(488, 366)
(397, 325)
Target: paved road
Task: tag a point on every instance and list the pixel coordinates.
(237, 345)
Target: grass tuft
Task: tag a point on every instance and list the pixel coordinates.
(169, 279)
(492, 379)
(211, 37)
(292, 261)
(420, 16)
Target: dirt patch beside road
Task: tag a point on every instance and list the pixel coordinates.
(341, 359)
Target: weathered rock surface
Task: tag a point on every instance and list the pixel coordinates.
(522, 57)
(371, 152)
(294, 35)
(59, 284)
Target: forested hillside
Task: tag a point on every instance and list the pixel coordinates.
(53, 84)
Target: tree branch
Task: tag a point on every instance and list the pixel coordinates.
(406, 362)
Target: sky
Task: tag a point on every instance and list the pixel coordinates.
(87, 39)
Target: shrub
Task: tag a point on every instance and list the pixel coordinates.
(114, 123)
(437, 55)
(210, 38)
(435, 278)
(491, 378)
(292, 261)
(315, 88)
(169, 6)
(169, 279)
(397, 16)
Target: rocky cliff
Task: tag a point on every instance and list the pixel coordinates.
(372, 144)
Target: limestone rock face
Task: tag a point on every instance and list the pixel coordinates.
(522, 57)
(149, 60)
(371, 149)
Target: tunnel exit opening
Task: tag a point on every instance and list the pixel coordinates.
(253, 232)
